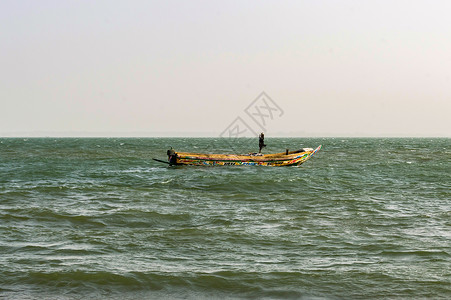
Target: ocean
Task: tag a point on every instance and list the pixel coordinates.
(97, 218)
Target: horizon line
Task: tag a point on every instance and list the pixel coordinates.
(138, 134)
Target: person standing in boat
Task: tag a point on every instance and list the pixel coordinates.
(261, 142)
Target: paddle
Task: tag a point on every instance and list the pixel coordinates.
(162, 161)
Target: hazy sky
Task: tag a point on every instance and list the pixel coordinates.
(335, 68)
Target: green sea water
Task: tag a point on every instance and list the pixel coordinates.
(97, 218)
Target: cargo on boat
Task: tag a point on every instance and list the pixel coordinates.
(287, 158)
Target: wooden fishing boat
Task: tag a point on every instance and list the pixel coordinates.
(287, 158)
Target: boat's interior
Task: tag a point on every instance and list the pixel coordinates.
(243, 156)
(287, 152)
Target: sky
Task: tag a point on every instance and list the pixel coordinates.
(209, 68)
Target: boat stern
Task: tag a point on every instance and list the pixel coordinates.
(172, 156)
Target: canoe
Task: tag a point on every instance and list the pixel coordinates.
(287, 158)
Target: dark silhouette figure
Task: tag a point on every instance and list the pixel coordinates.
(261, 142)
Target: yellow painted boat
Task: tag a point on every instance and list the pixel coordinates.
(292, 158)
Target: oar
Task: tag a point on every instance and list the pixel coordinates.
(162, 161)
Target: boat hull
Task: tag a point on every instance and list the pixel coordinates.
(295, 158)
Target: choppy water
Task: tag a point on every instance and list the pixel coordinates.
(97, 218)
